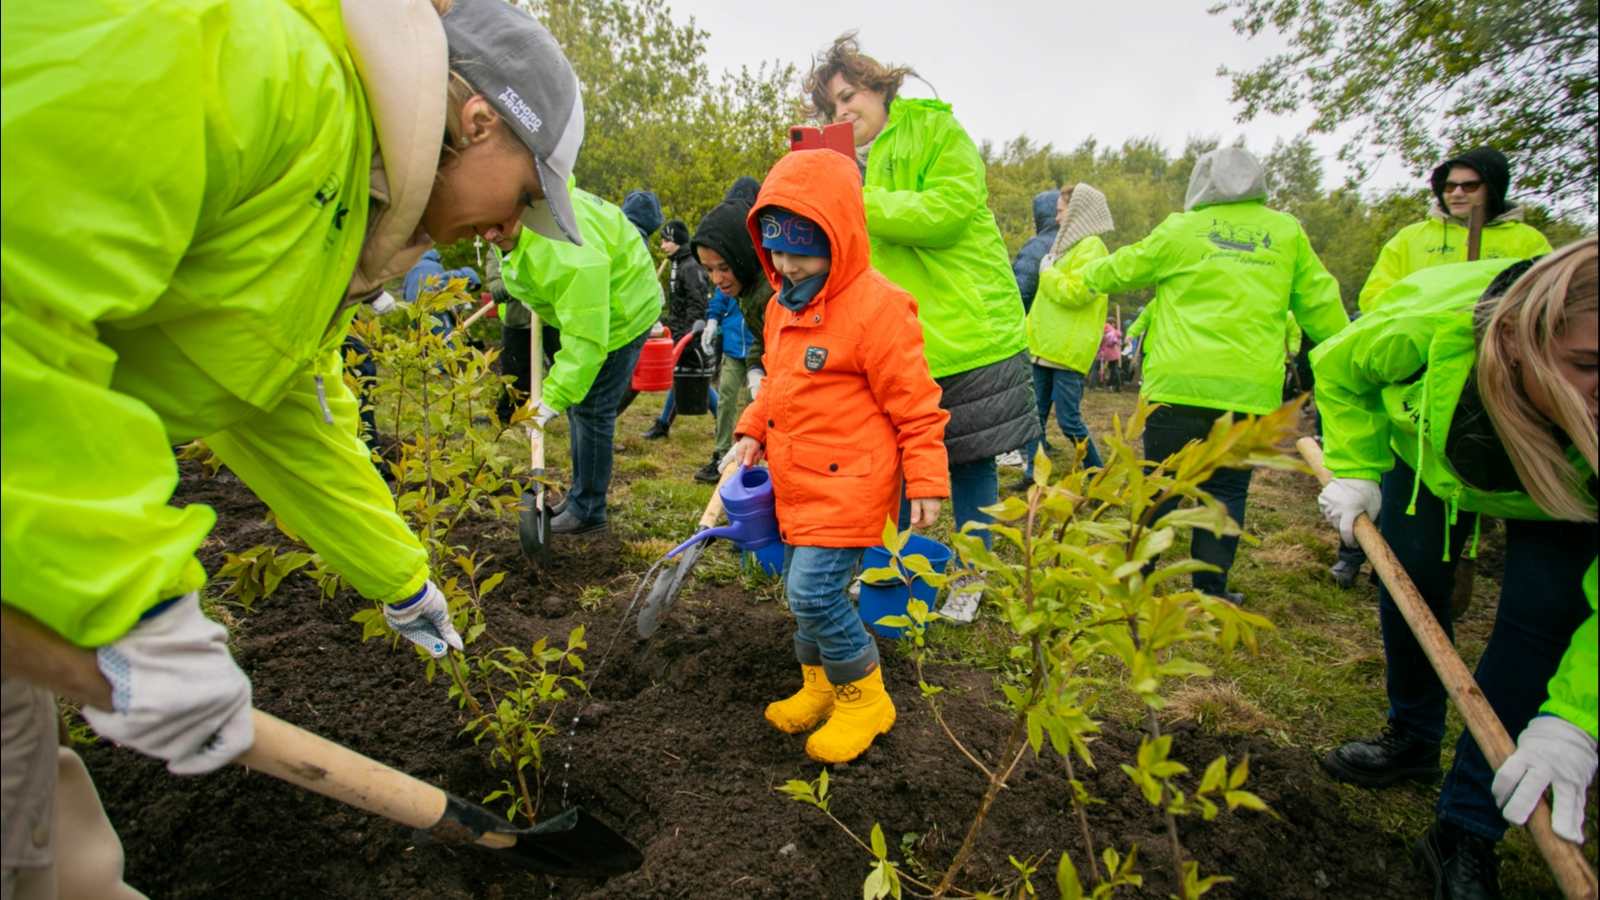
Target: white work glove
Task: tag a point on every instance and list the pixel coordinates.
(176, 692)
(708, 338)
(544, 415)
(753, 378)
(1553, 753)
(383, 304)
(1344, 499)
(424, 620)
(657, 330)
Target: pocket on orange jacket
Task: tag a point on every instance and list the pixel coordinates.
(830, 459)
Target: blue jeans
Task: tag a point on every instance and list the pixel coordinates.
(1166, 432)
(1541, 606)
(1063, 388)
(592, 426)
(669, 409)
(973, 486)
(830, 632)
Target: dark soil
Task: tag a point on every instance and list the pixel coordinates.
(673, 752)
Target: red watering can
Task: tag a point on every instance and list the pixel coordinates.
(657, 358)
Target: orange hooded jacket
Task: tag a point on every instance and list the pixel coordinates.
(848, 408)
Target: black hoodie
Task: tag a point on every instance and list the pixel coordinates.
(724, 231)
(1491, 166)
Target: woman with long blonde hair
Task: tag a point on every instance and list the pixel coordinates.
(1474, 391)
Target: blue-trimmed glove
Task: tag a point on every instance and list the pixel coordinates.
(424, 620)
(1553, 753)
(176, 691)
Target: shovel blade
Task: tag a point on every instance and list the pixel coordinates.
(534, 528)
(665, 590)
(573, 845)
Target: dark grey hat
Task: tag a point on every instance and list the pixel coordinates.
(509, 58)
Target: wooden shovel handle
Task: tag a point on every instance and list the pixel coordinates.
(536, 393)
(708, 519)
(35, 654)
(1572, 872)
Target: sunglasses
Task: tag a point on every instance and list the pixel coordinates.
(1468, 187)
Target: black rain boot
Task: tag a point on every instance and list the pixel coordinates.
(1392, 757)
(1463, 865)
(709, 473)
(658, 430)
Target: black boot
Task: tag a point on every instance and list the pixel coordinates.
(709, 473)
(1392, 757)
(658, 430)
(1463, 865)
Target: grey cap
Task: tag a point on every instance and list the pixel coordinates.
(509, 58)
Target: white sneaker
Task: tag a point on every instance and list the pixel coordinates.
(1012, 460)
(854, 590)
(961, 601)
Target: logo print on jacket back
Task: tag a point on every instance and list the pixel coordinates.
(815, 357)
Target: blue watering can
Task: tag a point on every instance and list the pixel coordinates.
(752, 512)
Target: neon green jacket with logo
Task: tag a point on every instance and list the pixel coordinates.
(185, 197)
(1440, 241)
(599, 296)
(1226, 276)
(932, 233)
(1068, 319)
(1389, 386)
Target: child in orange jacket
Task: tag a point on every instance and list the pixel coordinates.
(847, 415)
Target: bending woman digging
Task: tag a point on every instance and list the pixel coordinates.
(198, 197)
(1467, 407)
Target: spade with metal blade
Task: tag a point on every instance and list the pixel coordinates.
(573, 844)
(670, 580)
(534, 528)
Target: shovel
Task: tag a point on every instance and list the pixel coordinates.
(670, 580)
(1571, 871)
(534, 528)
(573, 844)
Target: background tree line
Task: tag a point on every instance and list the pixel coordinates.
(658, 120)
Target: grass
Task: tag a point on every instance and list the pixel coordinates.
(1317, 681)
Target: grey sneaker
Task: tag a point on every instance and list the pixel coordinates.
(961, 601)
(1345, 573)
(567, 523)
(1012, 460)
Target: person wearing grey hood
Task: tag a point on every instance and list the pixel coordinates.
(1227, 272)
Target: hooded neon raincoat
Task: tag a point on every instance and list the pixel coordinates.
(599, 296)
(1226, 273)
(933, 234)
(1440, 240)
(1389, 386)
(185, 199)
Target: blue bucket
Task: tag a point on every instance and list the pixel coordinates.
(891, 598)
(770, 558)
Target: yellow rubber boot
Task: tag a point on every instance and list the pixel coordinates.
(862, 710)
(810, 705)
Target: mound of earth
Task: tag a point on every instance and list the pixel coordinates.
(673, 752)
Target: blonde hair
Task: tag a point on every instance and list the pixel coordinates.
(1518, 332)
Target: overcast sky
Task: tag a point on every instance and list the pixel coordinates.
(1056, 71)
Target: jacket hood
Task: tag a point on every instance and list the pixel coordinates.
(745, 189)
(643, 209)
(1225, 175)
(825, 188)
(1491, 165)
(1044, 211)
(725, 231)
(1088, 213)
(676, 231)
(1514, 212)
